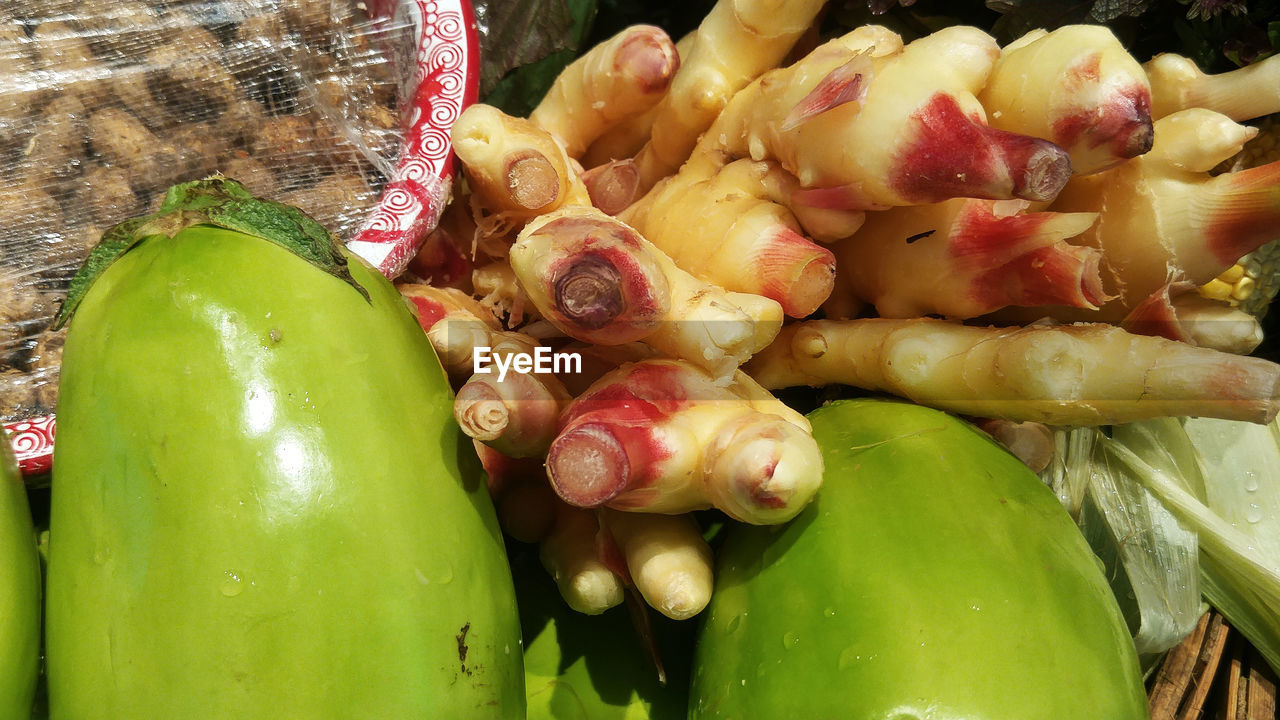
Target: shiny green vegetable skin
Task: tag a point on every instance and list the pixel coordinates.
(934, 578)
(262, 507)
(19, 593)
(595, 667)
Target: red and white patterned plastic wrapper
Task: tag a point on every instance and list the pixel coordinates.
(445, 77)
(338, 107)
(32, 442)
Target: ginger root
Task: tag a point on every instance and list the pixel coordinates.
(745, 240)
(965, 257)
(620, 78)
(516, 168)
(663, 436)
(569, 552)
(667, 560)
(1177, 83)
(455, 322)
(1076, 87)
(599, 281)
(872, 124)
(1163, 218)
(1083, 374)
(512, 410)
(736, 42)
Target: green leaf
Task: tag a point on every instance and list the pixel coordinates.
(880, 7)
(1158, 551)
(516, 72)
(520, 92)
(1149, 554)
(1195, 44)
(1021, 16)
(515, 33)
(1229, 494)
(1104, 11)
(678, 18)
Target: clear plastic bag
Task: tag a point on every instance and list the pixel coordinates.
(106, 103)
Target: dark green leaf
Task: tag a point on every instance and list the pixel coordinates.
(1195, 44)
(1022, 16)
(677, 17)
(515, 33)
(880, 7)
(517, 91)
(1104, 11)
(912, 21)
(520, 91)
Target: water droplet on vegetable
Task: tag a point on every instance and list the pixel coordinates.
(829, 612)
(790, 640)
(848, 657)
(1251, 481)
(232, 585)
(1254, 515)
(734, 623)
(446, 574)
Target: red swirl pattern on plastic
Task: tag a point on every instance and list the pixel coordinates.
(32, 442)
(447, 76)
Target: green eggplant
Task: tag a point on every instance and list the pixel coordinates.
(19, 593)
(595, 667)
(262, 507)
(934, 578)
